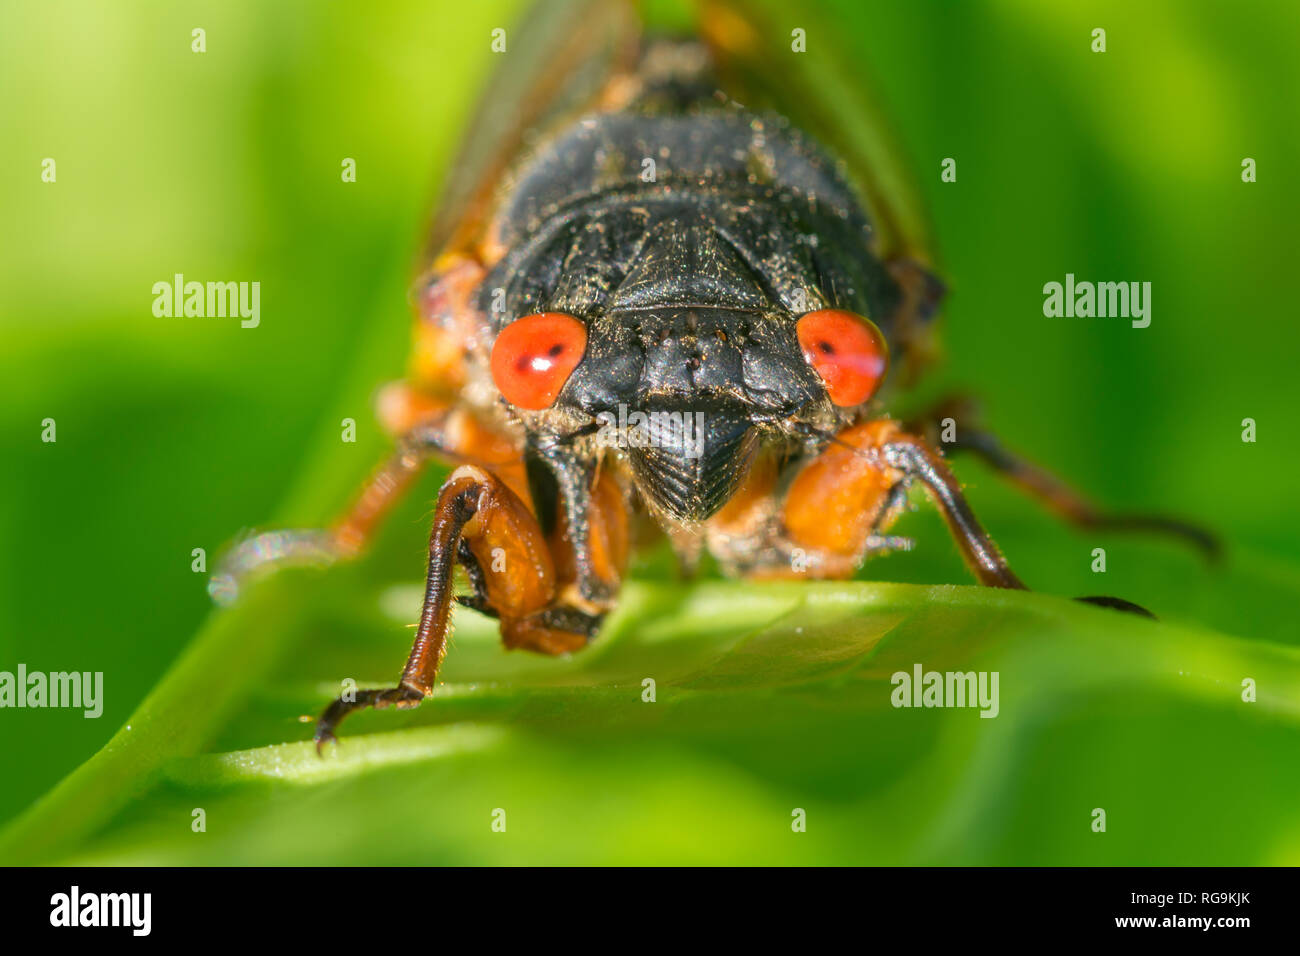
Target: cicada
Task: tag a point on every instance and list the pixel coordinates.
(652, 302)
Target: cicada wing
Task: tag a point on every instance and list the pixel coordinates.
(823, 94)
(559, 58)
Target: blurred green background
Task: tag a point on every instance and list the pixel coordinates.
(174, 434)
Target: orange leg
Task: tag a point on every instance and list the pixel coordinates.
(428, 428)
(518, 576)
(849, 493)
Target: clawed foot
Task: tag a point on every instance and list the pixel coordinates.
(401, 696)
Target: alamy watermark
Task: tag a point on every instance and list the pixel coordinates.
(133, 911)
(922, 688)
(1123, 300)
(75, 689)
(682, 430)
(211, 300)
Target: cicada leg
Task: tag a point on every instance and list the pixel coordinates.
(840, 502)
(953, 423)
(854, 489)
(519, 576)
(428, 429)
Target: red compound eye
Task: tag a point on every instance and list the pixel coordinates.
(533, 357)
(848, 352)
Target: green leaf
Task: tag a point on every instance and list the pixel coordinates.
(767, 700)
